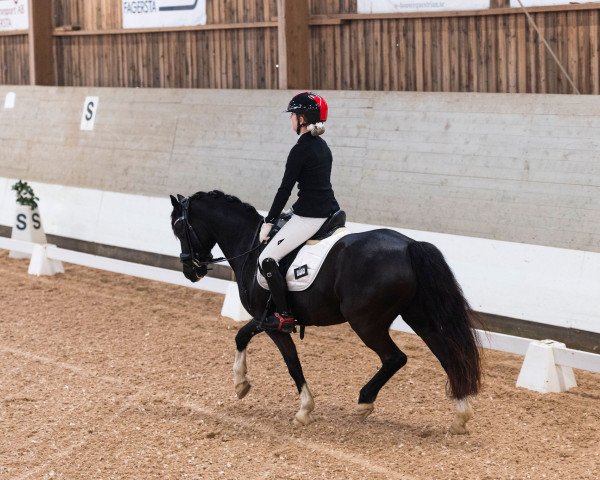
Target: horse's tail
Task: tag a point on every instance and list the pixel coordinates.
(448, 330)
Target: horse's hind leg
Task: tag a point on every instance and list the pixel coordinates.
(287, 347)
(418, 321)
(242, 339)
(377, 338)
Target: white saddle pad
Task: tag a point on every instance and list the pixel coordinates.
(308, 262)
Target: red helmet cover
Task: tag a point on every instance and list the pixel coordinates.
(309, 103)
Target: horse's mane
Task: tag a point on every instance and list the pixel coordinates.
(217, 195)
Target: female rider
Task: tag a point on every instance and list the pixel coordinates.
(309, 164)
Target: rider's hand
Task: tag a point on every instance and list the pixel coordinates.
(264, 231)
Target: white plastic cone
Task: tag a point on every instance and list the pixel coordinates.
(232, 306)
(27, 227)
(539, 371)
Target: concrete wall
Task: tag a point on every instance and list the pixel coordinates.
(519, 168)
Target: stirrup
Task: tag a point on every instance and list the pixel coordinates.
(286, 323)
(281, 323)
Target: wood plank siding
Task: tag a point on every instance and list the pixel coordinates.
(219, 58)
(14, 59)
(471, 53)
(492, 50)
(194, 59)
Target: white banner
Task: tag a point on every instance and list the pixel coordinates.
(14, 15)
(542, 3)
(163, 13)
(390, 6)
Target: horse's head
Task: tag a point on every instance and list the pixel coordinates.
(196, 242)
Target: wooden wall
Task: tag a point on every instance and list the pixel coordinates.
(485, 51)
(233, 58)
(320, 7)
(14, 60)
(221, 58)
(478, 53)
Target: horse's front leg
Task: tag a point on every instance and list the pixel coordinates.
(287, 347)
(242, 339)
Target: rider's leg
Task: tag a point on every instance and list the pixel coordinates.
(295, 232)
(282, 319)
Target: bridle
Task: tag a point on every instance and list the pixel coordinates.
(193, 258)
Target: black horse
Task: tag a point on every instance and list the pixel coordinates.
(367, 280)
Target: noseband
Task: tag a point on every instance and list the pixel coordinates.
(192, 258)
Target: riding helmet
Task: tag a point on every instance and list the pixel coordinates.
(312, 106)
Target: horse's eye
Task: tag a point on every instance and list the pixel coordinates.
(178, 228)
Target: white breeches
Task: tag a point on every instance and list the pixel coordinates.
(295, 232)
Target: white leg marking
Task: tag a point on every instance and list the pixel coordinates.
(365, 409)
(307, 405)
(464, 412)
(239, 374)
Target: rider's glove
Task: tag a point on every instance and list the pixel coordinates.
(265, 229)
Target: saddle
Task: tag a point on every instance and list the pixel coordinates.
(308, 263)
(334, 222)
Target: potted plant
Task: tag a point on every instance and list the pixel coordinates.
(25, 195)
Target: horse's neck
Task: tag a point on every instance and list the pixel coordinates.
(235, 235)
(238, 235)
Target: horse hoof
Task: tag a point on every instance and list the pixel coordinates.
(464, 412)
(365, 409)
(458, 428)
(302, 419)
(242, 389)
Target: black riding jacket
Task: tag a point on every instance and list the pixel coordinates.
(309, 164)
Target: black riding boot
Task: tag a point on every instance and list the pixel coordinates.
(282, 319)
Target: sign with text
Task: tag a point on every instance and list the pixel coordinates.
(163, 13)
(88, 117)
(391, 6)
(14, 15)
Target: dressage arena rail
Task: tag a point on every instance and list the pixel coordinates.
(550, 361)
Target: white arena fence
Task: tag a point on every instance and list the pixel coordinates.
(547, 366)
(148, 272)
(547, 285)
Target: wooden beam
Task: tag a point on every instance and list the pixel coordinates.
(14, 33)
(293, 36)
(578, 7)
(41, 51)
(62, 32)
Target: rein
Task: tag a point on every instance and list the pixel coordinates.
(222, 259)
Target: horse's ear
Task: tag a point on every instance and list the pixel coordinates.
(174, 201)
(180, 198)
